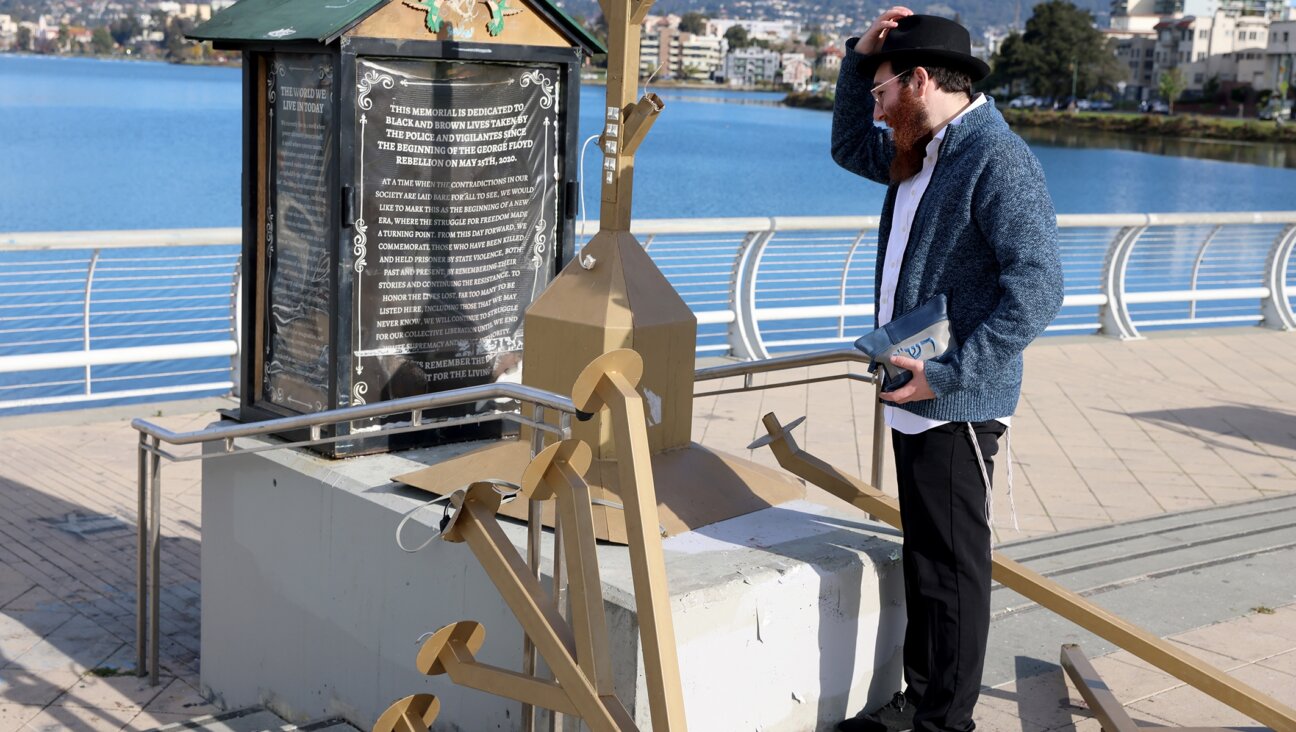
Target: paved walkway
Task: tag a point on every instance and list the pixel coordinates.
(1106, 432)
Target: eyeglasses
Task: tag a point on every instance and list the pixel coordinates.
(877, 98)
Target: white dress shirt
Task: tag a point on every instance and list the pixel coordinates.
(902, 217)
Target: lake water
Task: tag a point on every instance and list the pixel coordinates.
(89, 144)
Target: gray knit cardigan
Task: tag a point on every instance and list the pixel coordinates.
(985, 235)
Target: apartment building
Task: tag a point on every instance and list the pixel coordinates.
(1272, 9)
(1224, 46)
(1280, 56)
(673, 54)
(797, 70)
(750, 66)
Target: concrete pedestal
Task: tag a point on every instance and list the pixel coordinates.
(788, 619)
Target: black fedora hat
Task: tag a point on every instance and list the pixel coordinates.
(927, 39)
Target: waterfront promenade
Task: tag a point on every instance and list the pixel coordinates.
(1108, 434)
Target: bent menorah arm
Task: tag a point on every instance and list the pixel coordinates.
(1151, 648)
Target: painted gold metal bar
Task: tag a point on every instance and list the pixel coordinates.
(537, 615)
(842, 485)
(611, 381)
(1102, 702)
(1064, 602)
(412, 714)
(556, 473)
(465, 670)
(589, 619)
(617, 174)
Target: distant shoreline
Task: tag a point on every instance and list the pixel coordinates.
(1181, 126)
(1178, 126)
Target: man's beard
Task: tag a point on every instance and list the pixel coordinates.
(910, 131)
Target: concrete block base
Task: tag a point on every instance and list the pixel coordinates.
(788, 619)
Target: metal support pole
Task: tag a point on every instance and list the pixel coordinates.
(555, 718)
(879, 432)
(564, 424)
(155, 563)
(534, 520)
(141, 551)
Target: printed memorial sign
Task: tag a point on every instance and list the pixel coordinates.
(299, 107)
(457, 168)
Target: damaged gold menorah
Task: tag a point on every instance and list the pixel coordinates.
(576, 652)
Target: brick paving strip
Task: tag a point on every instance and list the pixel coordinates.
(1106, 432)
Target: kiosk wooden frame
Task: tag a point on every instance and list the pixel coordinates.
(532, 34)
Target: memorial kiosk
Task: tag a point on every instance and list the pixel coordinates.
(406, 193)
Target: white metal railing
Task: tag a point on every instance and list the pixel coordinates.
(96, 316)
(91, 317)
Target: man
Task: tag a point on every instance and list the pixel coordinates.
(966, 215)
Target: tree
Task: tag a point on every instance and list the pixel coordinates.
(693, 22)
(737, 37)
(102, 41)
(24, 39)
(124, 29)
(816, 39)
(1058, 36)
(1170, 86)
(1239, 94)
(1211, 89)
(174, 38)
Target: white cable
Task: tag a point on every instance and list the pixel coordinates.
(581, 254)
(509, 492)
(976, 447)
(1012, 504)
(410, 514)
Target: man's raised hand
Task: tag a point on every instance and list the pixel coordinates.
(872, 39)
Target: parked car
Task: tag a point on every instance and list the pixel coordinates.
(1025, 101)
(1155, 107)
(1276, 110)
(1101, 105)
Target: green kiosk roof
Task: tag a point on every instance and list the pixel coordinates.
(250, 21)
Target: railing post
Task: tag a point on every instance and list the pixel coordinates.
(236, 326)
(1114, 316)
(85, 315)
(155, 563)
(1276, 308)
(142, 480)
(841, 294)
(879, 432)
(1197, 263)
(744, 335)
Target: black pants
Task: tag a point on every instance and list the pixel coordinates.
(946, 569)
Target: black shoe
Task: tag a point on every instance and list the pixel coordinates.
(896, 715)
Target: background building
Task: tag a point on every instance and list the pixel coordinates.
(751, 66)
(673, 54)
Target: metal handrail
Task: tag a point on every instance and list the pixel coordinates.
(152, 436)
(150, 453)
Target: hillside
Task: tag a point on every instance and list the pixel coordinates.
(851, 14)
